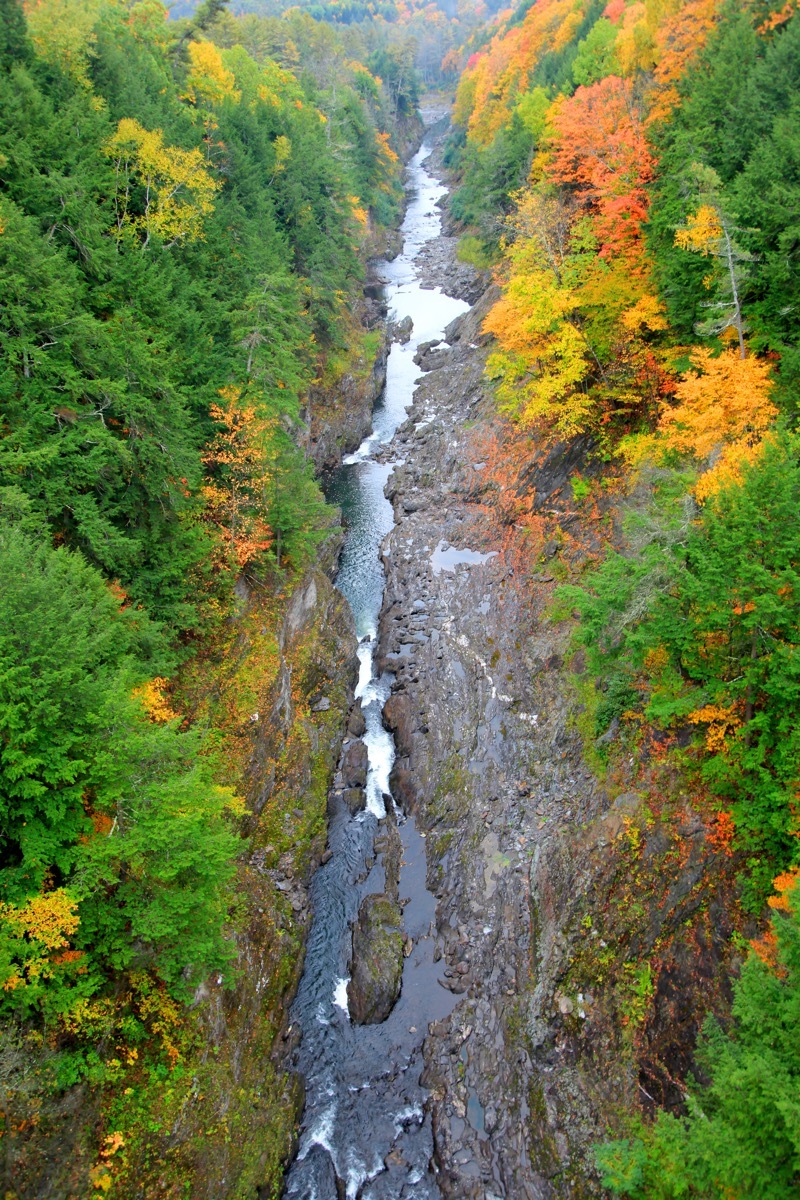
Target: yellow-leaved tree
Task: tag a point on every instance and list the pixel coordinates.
(160, 190)
(62, 32)
(723, 410)
(35, 939)
(209, 81)
(543, 359)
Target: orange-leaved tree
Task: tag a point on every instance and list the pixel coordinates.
(239, 470)
(723, 410)
(600, 149)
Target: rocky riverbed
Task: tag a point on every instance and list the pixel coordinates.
(552, 887)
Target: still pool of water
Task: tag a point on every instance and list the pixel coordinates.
(365, 1121)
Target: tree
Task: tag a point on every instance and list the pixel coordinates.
(596, 58)
(715, 597)
(731, 623)
(209, 82)
(723, 409)
(63, 638)
(114, 840)
(543, 360)
(154, 880)
(601, 150)
(709, 231)
(160, 189)
(239, 465)
(14, 46)
(63, 32)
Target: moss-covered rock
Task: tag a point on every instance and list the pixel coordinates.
(377, 967)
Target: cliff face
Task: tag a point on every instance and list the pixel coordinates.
(339, 411)
(237, 1133)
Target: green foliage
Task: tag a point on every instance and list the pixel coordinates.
(471, 250)
(156, 885)
(123, 358)
(491, 176)
(739, 115)
(740, 1133)
(555, 69)
(62, 641)
(95, 796)
(595, 57)
(13, 41)
(110, 355)
(701, 616)
(618, 697)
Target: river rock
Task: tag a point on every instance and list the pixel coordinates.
(392, 853)
(355, 798)
(424, 349)
(377, 965)
(398, 717)
(400, 331)
(357, 724)
(354, 765)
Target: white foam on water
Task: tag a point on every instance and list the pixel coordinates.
(320, 1134)
(364, 653)
(358, 1173)
(361, 454)
(412, 1112)
(340, 994)
(380, 750)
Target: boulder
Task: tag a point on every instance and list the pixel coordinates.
(398, 717)
(355, 762)
(400, 331)
(355, 798)
(425, 348)
(377, 965)
(357, 724)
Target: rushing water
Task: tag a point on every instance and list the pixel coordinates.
(364, 1121)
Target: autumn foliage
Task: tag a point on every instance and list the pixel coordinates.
(600, 149)
(583, 340)
(723, 408)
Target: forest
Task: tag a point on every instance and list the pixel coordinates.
(630, 174)
(184, 225)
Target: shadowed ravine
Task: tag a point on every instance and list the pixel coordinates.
(365, 1122)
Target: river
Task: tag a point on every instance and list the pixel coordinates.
(366, 1133)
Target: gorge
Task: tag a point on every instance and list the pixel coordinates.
(399, 600)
